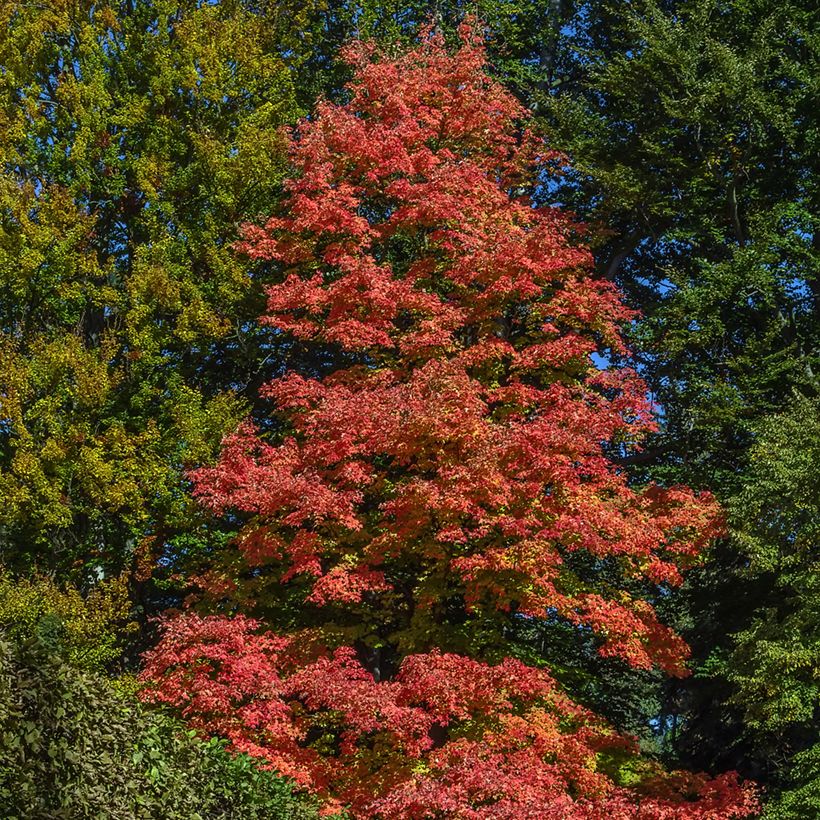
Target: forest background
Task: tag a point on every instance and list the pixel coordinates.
(136, 138)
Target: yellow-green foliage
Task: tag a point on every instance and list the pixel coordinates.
(88, 628)
(134, 139)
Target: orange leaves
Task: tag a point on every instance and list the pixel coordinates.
(458, 471)
(447, 737)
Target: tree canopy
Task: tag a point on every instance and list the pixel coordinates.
(449, 476)
(514, 341)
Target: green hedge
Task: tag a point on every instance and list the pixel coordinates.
(71, 746)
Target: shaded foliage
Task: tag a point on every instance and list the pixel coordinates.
(70, 746)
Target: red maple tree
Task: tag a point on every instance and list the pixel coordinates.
(449, 475)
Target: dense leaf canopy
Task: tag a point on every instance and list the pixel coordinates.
(134, 138)
(449, 477)
(409, 338)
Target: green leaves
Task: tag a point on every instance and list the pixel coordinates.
(774, 666)
(135, 138)
(88, 630)
(71, 747)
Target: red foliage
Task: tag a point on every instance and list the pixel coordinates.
(448, 736)
(459, 454)
(473, 430)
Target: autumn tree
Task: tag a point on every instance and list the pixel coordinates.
(691, 130)
(447, 479)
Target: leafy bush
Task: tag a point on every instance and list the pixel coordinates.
(88, 629)
(800, 798)
(72, 747)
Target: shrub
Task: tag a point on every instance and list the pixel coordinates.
(71, 746)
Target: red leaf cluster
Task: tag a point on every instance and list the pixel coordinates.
(471, 428)
(459, 458)
(447, 737)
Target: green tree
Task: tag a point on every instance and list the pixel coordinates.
(771, 672)
(692, 132)
(134, 137)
